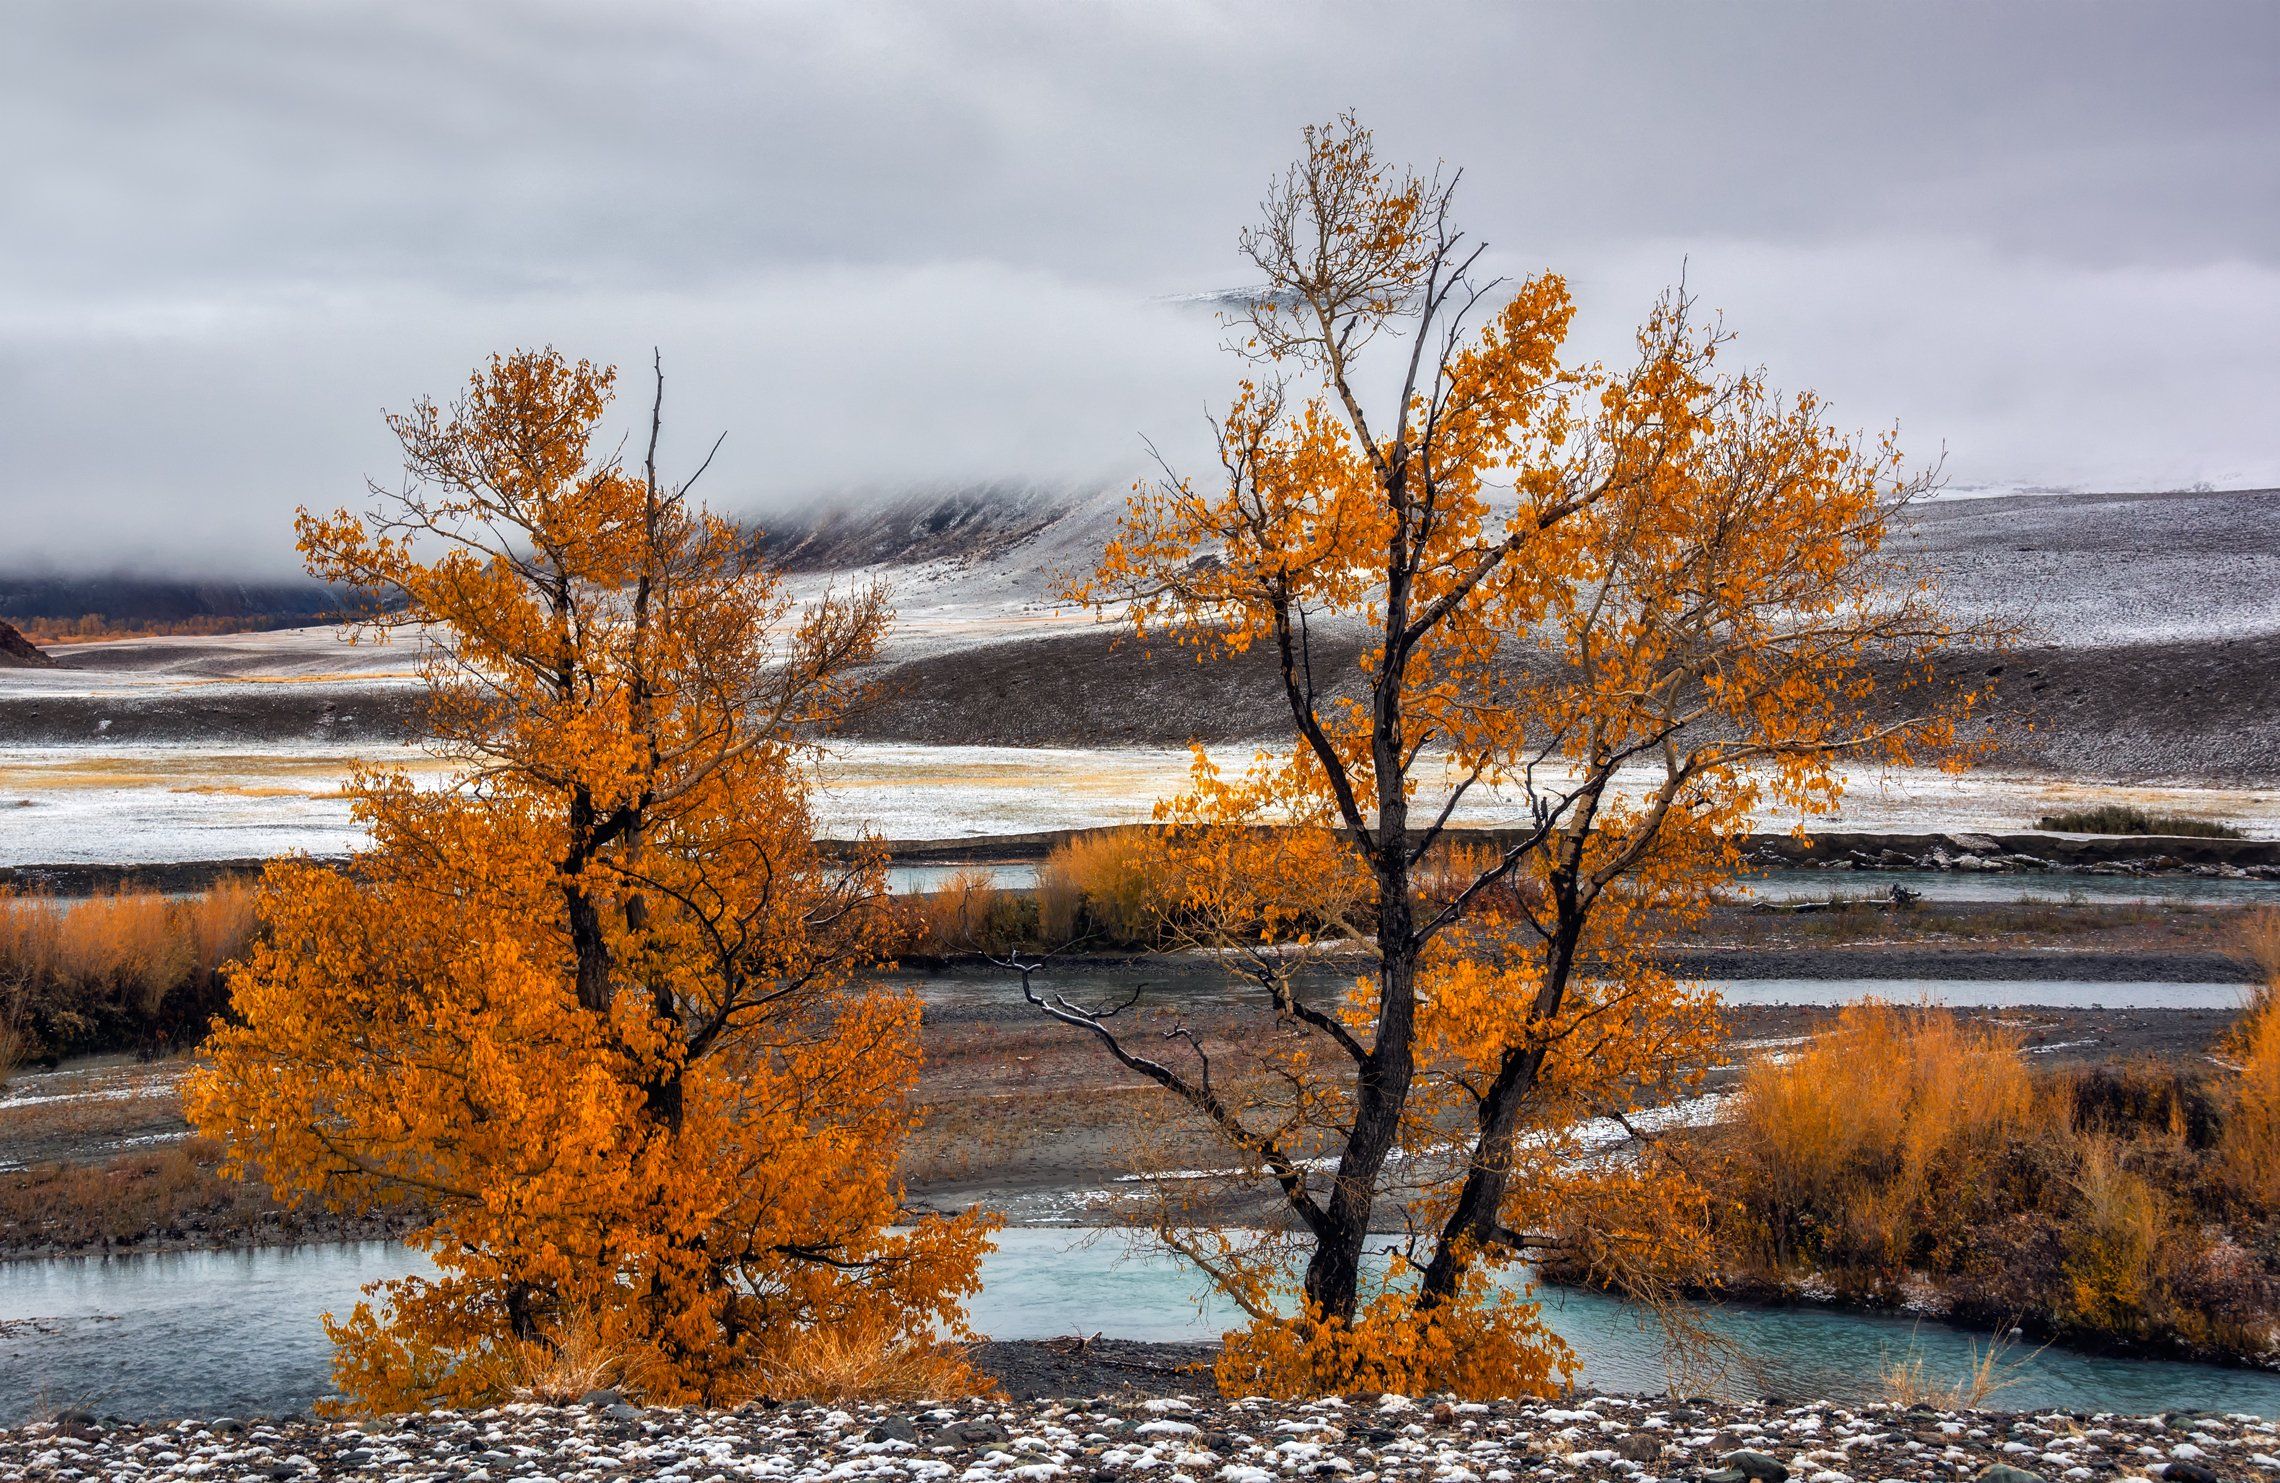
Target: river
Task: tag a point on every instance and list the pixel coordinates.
(237, 1333)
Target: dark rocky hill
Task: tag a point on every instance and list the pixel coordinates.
(18, 652)
(960, 525)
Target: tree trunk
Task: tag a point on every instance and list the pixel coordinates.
(1478, 1211)
(1333, 1276)
(587, 944)
(1474, 1217)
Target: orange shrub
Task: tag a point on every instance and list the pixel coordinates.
(1101, 882)
(1493, 1346)
(2248, 1152)
(220, 923)
(129, 965)
(2114, 1242)
(125, 940)
(2121, 1201)
(968, 913)
(1849, 1144)
(2259, 934)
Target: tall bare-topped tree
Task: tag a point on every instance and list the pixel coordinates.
(1643, 603)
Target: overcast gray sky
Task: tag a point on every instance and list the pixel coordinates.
(885, 245)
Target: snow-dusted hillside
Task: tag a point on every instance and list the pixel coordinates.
(2092, 570)
(2156, 665)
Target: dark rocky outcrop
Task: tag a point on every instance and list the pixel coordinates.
(18, 652)
(963, 525)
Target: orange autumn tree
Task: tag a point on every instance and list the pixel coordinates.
(1639, 605)
(594, 1004)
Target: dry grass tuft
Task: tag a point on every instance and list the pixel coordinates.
(849, 1363)
(570, 1362)
(1912, 1383)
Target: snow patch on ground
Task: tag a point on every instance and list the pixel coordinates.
(164, 802)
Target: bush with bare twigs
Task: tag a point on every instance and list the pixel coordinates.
(968, 913)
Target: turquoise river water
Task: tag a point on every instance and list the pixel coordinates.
(213, 1333)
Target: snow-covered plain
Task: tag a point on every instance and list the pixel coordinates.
(941, 606)
(94, 803)
(320, 655)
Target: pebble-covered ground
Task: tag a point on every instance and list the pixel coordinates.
(1174, 1440)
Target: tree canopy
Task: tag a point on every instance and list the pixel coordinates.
(596, 1003)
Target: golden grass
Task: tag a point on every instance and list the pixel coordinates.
(1853, 1136)
(1099, 882)
(80, 972)
(849, 1363)
(302, 774)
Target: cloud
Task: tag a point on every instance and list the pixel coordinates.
(907, 243)
(213, 426)
(2023, 371)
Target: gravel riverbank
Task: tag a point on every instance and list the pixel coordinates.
(1176, 1439)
